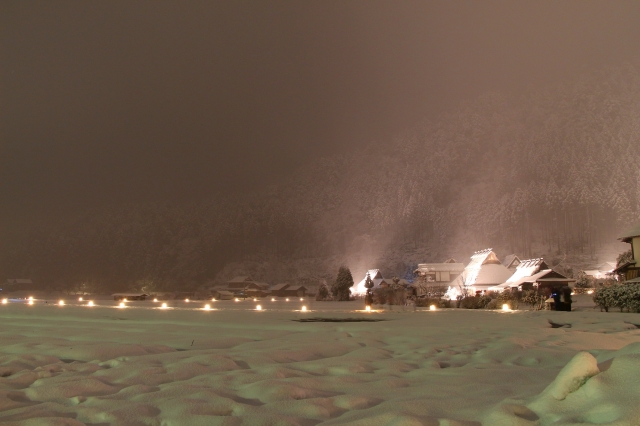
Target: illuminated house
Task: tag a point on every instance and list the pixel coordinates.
(532, 273)
(287, 290)
(484, 271)
(376, 277)
(631, 270)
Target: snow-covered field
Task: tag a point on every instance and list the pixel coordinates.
(140, 365)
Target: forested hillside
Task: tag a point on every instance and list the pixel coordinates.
(550, 173)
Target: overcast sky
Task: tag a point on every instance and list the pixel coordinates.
(121, 101)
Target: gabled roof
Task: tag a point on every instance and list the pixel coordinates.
(450, 260)
(240, 278)
(627, 235)
(374, 273)
(296, 287)
(481, 260)
(511, 261)
(527, 268)
(281, 286)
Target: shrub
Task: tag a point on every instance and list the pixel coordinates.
(475, 302)
(623, 296)
(494, 304)
(534, 298)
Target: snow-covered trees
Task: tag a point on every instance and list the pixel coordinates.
(341, 288)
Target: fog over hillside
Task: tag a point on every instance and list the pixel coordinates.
(550, 173)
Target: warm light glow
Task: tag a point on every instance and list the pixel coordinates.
(255, 300)
(213, 300)
(207, 307)
(4, 301)
(287, 299)
(590, 292)
(121, 305)
(155, 300)
(125, 300)
(273, 299)
(258, 308)
(186, 300)
(368, 308)
(79, 299)
(30, 297)
(90, 303)
(432, 307)
(61, 303)
(301, 299)
(164, 306)
(30, 302)
(505, 307)
(237, 300)
(304, 309)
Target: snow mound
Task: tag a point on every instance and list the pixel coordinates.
(582, 394)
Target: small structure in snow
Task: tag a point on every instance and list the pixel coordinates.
(130, 296)
(631, 270)
(222, 295)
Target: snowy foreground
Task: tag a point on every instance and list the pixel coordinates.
(232, 365)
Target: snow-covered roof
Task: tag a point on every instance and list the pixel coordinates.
(480, 259)
(280, 286)
(296, 287)
(627, 235)
(521, 280)
(527, 268)
(440, 267)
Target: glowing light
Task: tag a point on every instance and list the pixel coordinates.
(255, 300)
(301, 299)
(273, 299)
(4, 301)
(125, 300)
(61, 303)
(121, 305)
(164, 306)
(590, 292)
(432, 307)
(367, 308)
(30, 297)
(304, 309)
(155, 300)
(30, 302)
(79, 299)
(505, 307)
(186, 300)
(287, 299)
(237, 300)
(213, 300)
(207, 307)
(90, 303)
(258, 308)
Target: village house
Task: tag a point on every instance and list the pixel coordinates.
(220, 294)
(239, 283)
(483, 272)
(442, 273)
(255, 289)
(287, 290)
(630, 271)
(533, 273)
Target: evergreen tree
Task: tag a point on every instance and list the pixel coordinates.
(368, 283)
(341, 288)
(323, 292)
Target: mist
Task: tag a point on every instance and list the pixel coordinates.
(183, 143)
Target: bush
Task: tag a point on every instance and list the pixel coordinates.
(494, 304)
(623, 296)
(534, 298)
(475, 302)
(424, 302)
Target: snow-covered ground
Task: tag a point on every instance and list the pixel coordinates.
(141, 365)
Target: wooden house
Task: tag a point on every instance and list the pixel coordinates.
(219, 294)
(630, 271)
(255, 289)
(239, 282)
(296, 291)
(279, 290)
(511, 261)
(442, 273)
(533, 273)
(376, 277)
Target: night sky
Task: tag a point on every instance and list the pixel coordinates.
(113, 102)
